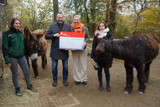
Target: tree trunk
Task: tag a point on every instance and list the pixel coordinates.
(112, 24)
(55, 7)
(85, 1)
(92, 9)
(107, 11)
(92, 25)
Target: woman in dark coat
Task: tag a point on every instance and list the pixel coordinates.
(102, 32)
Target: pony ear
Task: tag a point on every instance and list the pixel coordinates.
(27, 32)
(39, 32)
(44, 31)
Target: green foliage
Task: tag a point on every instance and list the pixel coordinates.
(35, 14)
(122, 29)
(76, 6)
(32, 13)
(7, 14)
(95, 9)
(89, 52)
(150, 20)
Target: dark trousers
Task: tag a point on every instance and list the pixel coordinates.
(14, 68)
(55, 71)
(107, 75)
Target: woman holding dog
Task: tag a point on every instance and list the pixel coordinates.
(102, 32)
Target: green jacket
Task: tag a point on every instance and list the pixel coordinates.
(12, 44)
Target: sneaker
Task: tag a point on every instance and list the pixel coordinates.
(54, 84)
(65, 83)
(18, 92)
(77, 82)
(84, 82)
(31, 88)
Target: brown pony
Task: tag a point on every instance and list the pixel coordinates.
(35, 45)
(137, 51)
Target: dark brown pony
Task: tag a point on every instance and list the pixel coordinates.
(35, 43)
(137, 51)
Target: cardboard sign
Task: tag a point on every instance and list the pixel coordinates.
(71, 40)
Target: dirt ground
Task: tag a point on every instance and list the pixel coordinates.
(80, 95)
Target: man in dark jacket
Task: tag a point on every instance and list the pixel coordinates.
(56, 54)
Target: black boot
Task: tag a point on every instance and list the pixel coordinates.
(100, 86)
(18, 91)
(108, 87)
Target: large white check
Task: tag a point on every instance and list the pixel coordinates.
(71, 40)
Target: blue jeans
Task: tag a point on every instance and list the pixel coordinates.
(107, 75)
(55, 71)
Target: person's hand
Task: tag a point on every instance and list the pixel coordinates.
(91, 59)
(56, 35)
(100, 37)
(9, 64)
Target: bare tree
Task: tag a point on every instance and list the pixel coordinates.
(142, 6)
